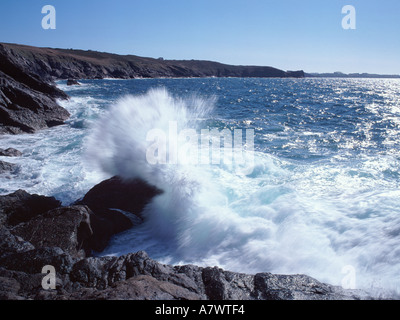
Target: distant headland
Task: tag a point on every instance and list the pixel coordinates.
(339, 74)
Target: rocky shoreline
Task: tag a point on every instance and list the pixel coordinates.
(28, 96)
(36, 230)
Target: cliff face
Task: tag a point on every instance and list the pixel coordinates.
(27, 103)
(52, 64)
(28, 96)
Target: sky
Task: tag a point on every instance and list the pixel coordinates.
(286, 34)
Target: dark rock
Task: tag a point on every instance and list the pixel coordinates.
(27, 102)
(23, 109)
(21, 206)
(10, 243)
(50, 64)
(6, 167)
(138, 288)
(33, 261)
(135, 264)
(9, 289)
(127, 277)
(10, 152)
(29, 285)
(72, 82)
(104, 226)
(67, 227)
(269, 286)
(116, 193)
(225, 285)
(92, 272)
(107, 199)
(112, 278)
(23, 67)
(101, 273)
(136, 276)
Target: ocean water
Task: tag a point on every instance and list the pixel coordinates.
(322, 196)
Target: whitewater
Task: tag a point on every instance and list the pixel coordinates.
(321, 197)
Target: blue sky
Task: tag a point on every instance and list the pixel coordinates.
(287, 34)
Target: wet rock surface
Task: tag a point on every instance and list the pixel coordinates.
(63, 237)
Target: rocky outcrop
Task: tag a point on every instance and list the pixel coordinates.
(7, 167)
(63, 236)
(67, 228)
(116, 193)
(11, 244)
(23, 109)
(137, 277)
(117, 205)
(51, 64)
(21, 206)
(28, 95)
(72, 82)
(27, 101)
(10, 152)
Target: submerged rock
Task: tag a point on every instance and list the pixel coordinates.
(6, 167)
(72, 82)
(10, 152)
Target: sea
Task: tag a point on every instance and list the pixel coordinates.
(320, 194)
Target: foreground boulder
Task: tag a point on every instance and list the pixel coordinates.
(116, 193)
(116, 205)
(21, 206)
(67, 228)
(32, 261)
(31, 238)
(10, 243)
(137, 277)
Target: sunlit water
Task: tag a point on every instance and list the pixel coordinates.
(323, 193)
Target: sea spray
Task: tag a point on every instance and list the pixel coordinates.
(312, 204)
(191, 213)
(120, 145)
(322, 198)
(120, 141)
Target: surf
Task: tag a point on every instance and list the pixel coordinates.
(285, 216)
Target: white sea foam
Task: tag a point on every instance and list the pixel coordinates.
(283, 217)
(287, 216)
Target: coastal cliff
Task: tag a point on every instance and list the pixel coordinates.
(27, 103)
(53, 64)
(28, 96)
